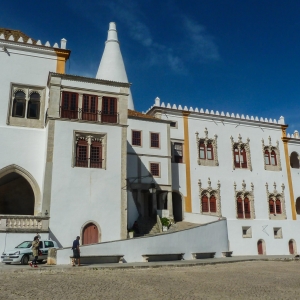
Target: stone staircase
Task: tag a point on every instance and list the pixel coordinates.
(181, 226)
(147, 226)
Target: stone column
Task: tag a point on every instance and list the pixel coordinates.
(80, 96)
(170, 204)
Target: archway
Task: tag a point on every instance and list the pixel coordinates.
(177, 207)
(298, 206)
(294, 160)
(261, 247)
(292, 247)
(16, 195)
(90, 234)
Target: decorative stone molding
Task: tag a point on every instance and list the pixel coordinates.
(243, 193)
(206, 140)
(271, 148)
(241, 145)
(209, 191)
(274, 196)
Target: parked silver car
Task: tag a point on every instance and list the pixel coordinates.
(23, 252)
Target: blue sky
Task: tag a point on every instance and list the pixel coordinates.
(240, 56)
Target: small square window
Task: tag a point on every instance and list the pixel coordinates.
(173, 124)
(154, 169)
(247, 232)
(277, 232)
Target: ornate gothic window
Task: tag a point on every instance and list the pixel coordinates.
(241, 154)
(271, 153)
(276, 203)
(210, 200)
(244, 202)
(207, 150)
(89, 151)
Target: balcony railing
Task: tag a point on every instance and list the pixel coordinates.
(88, 163)
(89, 115)
(23, 223)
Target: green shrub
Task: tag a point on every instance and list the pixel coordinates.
(165, 222)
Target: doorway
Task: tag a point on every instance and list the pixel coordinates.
(292, 247)
(90, 234)
(261, 247)
(177, 207)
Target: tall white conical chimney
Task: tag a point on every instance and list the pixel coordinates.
(111, 65)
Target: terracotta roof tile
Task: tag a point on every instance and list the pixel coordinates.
(133, 113)
(16, 34)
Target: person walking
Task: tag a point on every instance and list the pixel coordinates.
(76, 252)
(35, 251)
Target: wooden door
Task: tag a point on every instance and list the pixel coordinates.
(291, 247)
(90, 234)
(260, 247)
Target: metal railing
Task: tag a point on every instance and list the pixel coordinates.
(89, 115)
(88, 163)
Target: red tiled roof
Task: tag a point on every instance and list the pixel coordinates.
(133, 113)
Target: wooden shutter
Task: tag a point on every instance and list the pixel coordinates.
(90, 108)
(69, 105)
(109, 110)
(204, 203)
(213, 204)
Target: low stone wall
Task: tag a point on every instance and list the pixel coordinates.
(211, 237)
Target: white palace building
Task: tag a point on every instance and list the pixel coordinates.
(77, 159)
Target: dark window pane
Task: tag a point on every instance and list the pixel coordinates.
(154, 140)
(33, 110)
(136, 138)
(19, 109)
(154, 169)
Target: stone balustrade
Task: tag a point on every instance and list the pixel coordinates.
(21, 223)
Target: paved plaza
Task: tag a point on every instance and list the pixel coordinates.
(239, 280)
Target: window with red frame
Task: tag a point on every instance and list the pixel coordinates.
(90, 108)
(202, 150)
(273, 158)
(154, 169)
(210, 153)
(154, 140)
(69, 105)
(178, 152)
(243, 208)
(240, 157)
(267, 157)
(96, 155)
(271, 206)
(109, 110)
(82, 154)
(204, 201)
(213, 204)
(275, 207)
(136, 138)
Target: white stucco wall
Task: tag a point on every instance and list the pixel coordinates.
(188, 241)
(79, 194)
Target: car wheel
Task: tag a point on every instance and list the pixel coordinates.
(24, 260)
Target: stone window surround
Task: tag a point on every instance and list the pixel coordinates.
(141, 131)
(243, 193)
(28, 90)
(209, 191)
(207, 162)
(246, 146)
(150, 139)
(277, 232)
(270, 148)
(88, 136)
(248, 231)
(276, 195)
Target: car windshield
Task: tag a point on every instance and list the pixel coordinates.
(25, 245)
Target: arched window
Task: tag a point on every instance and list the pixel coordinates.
(240, 157)
(267, 157)
(19, 104)
(236, 158)
(82, 154)
(96, 155)
(213, 204)
(243, 158)
(202, 150)
(271, 206)
(33, 110)
(240, 208)
(278, 207)
(273, 158)
(204, 203)
(294, 160)
(210, 152)
(247, 208)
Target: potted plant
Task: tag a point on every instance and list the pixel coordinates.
(165, 223)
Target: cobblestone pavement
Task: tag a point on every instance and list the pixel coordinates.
(244, 280)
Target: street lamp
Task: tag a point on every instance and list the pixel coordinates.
(152, 189)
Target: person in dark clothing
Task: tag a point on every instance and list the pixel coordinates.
(76, 252)
(35, 251)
